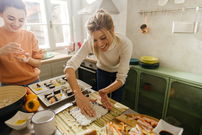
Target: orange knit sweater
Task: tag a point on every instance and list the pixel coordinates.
(13, 71)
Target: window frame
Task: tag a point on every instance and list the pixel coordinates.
(51, 43)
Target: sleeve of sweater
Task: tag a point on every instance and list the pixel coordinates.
(36, 52)
(125, 55)
(78, 58)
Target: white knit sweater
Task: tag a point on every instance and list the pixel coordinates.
(115, 59)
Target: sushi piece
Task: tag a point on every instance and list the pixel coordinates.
(51, 99)
(37, 87)
(69, 93)
(57, 92)
(51, 86)
(64, 78)
(58, 96)
(64, 89)
(47, 95)
(47, 84)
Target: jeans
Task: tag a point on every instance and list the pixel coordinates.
(104, 79)
(21, 85)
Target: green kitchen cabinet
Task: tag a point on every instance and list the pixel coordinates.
(166, 94)
(130, 89)
(152, 91)
(185, 106)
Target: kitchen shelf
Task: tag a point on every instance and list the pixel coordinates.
(175, 10)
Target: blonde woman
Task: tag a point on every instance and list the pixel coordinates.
(113, 52)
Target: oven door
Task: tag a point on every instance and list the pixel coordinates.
(88, 75)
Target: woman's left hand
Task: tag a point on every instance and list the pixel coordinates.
(105, 100)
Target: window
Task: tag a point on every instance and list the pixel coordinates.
(50, 21)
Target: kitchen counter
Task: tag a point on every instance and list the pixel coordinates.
(29, 131)
(62, 55)
(62, 113)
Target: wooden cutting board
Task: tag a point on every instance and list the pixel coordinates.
(129, 119)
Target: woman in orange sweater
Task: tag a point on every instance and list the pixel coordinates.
(20, 56)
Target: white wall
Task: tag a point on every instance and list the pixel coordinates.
(120, 20)
(178, 51)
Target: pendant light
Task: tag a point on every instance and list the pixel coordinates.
(107, 5)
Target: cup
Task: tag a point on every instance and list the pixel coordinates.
(44, 122)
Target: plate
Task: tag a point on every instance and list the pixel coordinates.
(164, 126)
(53, 98)
(149, 59)
(48, 55)
(19, 121)
(56, 89)
(54, 83)
(149, 66)
(144, 122)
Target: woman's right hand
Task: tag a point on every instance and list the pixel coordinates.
(84, 104)
(11, 47)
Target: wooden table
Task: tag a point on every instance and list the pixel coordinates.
(67, 125)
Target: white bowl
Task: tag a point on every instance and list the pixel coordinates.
(19, 121)
(164, 126)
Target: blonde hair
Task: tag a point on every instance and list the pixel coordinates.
(102, 21)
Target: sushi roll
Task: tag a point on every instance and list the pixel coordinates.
(47, 95)
(47, 84)
(51, 86)
(64, 78)
(58, 96)
(57, 92)
(37, 87)
(69, 93)
(64, 89)
(51, 99)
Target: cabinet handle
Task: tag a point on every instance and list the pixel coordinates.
(88, 70)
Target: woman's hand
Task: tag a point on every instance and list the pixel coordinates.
(25, 57)
(105, 100)
(11, 47)
(84, 104)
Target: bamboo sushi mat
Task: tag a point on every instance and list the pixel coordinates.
(67, 125)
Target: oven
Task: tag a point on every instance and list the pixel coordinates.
(87, 73)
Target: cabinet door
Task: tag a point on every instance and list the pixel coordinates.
(152, 91)
(45, 71)
(57, 68)
(130, 89)
(185, 107)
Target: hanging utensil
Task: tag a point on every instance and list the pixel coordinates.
(144, 28)
(197, 19)
(197, 27)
